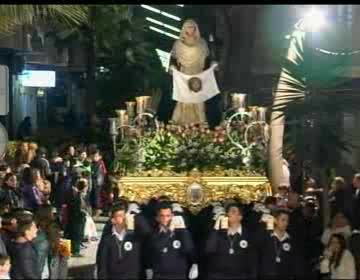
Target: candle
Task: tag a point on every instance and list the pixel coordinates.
(140, 102)
(147, 102)
(130, 108)
(113, 126)
(253, 113)
(262, 114)
(238, 100)
(121, 115)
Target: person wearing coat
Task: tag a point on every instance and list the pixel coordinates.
(170, 248)
(230, 248)
(337, 261)
(120, 254)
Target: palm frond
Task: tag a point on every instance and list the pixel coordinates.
(12, 16)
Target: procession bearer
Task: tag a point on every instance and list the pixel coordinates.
(287, 260)
(230, 248)
(120, 253)
(170, 248)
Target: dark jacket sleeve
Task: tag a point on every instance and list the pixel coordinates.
(3, 250)
(28, 264)
(211, 243)
(188, 247)
(102, 258)
(142, 227)
(299, 264)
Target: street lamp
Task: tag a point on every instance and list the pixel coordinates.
(312, 21)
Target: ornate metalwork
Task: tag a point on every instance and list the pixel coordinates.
(194, 191)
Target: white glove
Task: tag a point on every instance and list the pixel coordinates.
(194, 272)
(149, 274)
(216, 203)
(134, 208)
(218, 209)
(268, 220)
(219, 213)
(176, 207)
(130, 221)
(177, 222)
(220, 222)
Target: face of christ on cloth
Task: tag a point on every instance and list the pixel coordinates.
(195, 84)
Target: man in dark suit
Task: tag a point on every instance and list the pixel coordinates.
(120, 253)
(230, 248)
(287, 259)
(170, 249)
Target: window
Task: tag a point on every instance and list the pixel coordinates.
(345, 14)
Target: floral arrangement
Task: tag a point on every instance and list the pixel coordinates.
(182, 148)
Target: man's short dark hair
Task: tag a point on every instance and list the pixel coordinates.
(23, 216)
(281, 211)
(270, 200)
(163, 205)
(236, 205)
(3, 167)
(95, 151)
(23, 227)
(42, 151)
(119, 206)
(4, 259)
(6, 219)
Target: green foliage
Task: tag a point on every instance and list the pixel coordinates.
(181, 149)
(131, 65)
(13, 16)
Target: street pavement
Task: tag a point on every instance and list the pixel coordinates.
(83, 267)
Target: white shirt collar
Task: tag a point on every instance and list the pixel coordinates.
(120, 236)
(285, 236)
(232, 232)
(163, 229)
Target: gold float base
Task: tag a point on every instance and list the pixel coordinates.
(194, 192)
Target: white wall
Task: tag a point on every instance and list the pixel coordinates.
(24, 104)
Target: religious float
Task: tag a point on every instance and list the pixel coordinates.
(192, 164)
(184, 159)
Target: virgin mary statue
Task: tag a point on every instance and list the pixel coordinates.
(188, 56)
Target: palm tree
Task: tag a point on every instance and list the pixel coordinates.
(305, 94)
(13, 16)
(101, 21)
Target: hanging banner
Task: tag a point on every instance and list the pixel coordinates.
(194, 88)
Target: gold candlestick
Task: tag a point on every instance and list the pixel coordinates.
(262, 114)
(254, 113)
(121, 115)
(238, 100)
(147, 102)
(140, 102)
(130, 108)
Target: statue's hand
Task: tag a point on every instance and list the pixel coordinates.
(171, 68)
(216, 68)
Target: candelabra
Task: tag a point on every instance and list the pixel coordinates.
(245, 121)
(130, 122)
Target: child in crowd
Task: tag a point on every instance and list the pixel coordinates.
(4, 267)
(77, 216)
